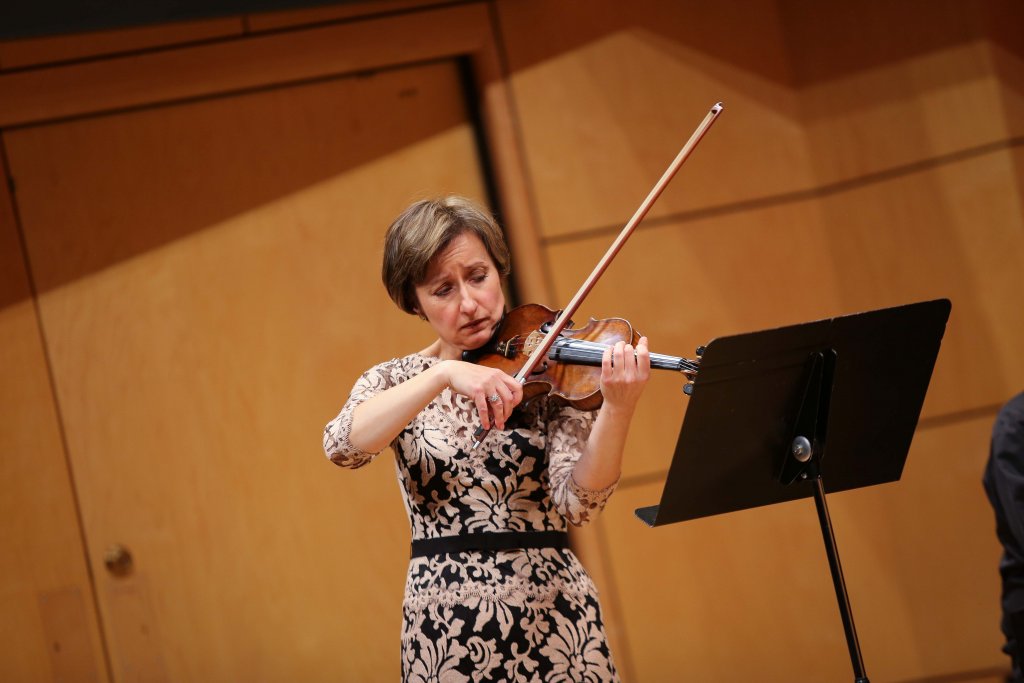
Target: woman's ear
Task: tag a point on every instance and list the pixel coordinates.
(419, 314)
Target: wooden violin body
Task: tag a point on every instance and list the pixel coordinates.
(571, 370)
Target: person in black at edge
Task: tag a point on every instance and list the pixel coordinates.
(1004, 484)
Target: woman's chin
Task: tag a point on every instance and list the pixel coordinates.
(475, 340)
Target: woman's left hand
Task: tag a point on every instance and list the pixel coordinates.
(624, 374)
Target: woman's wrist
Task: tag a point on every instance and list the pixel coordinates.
(444, 379)
(618, 412)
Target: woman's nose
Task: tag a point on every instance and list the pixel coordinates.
(468, 303)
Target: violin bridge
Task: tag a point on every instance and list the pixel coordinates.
(533, 340)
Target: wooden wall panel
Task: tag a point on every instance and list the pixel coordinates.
(48, 623)
(1009, 66)
(866, 167)
(14, 281)
(261, 173)
(922, 555)
(327, 41)
(27, 52)
(1002, 19)
(268, 21)
(608, 97)
(924, 108)
(197, 368)
(954, 231)
(233, 66)
(747, 596)
(826, 42)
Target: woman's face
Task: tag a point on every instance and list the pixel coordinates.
(461, 295)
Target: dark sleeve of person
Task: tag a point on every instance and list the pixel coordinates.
(1005, 478)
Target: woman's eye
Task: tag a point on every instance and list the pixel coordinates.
(443, 291)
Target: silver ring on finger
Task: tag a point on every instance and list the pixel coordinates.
(494, 398)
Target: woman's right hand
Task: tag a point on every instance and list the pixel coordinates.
(482, 384)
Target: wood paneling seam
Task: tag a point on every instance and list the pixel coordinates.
(797, 196)
(225, 94)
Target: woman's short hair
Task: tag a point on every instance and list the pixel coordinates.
(424, 230)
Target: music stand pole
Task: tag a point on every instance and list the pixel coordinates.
(838, 582)
(802, 463)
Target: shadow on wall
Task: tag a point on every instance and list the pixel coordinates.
(188, 195)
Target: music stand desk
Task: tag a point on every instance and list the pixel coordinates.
(792, 412)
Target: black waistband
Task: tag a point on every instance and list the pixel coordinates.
(493, 540)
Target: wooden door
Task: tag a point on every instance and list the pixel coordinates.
(48, 624)
(208, 278)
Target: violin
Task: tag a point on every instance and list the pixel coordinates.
(572, 370)
(556, 329)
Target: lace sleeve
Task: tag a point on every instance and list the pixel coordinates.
(567, 433)
(336, 434)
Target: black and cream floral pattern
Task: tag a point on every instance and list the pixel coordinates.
(511, 615)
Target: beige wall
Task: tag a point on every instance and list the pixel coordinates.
(869, 155)
(865, 159)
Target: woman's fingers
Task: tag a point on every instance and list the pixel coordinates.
(508, 393)
(643, 359)
(511, 394)
(483, 409)
(623, 359)
(629, 372)
(619, 360)
(615, 362)
(515, 389)
(501, 408)
(494, 393)
(625, 370)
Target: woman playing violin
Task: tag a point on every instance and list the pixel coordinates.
(493, 592)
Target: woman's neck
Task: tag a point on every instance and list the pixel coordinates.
(439, 349)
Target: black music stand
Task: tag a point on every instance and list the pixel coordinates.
(767, 407)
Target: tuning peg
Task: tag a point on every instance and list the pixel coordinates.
(688, 388)
(701, 350)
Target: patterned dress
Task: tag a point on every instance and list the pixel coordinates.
(500, 615)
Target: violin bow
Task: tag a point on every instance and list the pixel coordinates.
(563, 318)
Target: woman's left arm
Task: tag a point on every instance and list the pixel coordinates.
(624, 374)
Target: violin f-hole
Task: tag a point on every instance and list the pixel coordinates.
(546, 326)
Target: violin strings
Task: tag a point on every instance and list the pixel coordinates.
(594, 352)
(582, 350)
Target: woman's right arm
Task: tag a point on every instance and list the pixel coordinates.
(379, 409)
(377, 421)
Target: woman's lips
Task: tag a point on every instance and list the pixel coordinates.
(475, 325)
